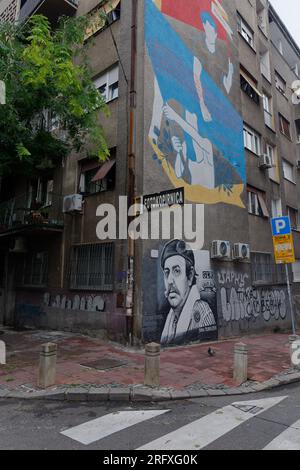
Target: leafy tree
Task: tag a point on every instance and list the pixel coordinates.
(47, 79)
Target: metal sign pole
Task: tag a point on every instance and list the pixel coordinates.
(290, 298)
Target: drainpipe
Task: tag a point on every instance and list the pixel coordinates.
(131, 177)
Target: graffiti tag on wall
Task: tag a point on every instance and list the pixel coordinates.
(241, 301)
(89, 303)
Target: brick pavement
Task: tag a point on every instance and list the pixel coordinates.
(181, 368)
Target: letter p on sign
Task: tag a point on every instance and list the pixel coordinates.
(281, 226)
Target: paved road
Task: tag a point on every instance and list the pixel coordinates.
(267, 420)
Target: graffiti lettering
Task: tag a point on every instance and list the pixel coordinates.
(251, 303)
(85, 303)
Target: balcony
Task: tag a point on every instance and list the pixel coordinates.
(53, 9)
(20, 215)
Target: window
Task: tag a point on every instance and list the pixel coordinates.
(276, 208)
(270, 152)
(280, 83)
(268, 111)
(296, 270)
(97, 178)
(288, 171)
(245, 30)
(92, 267)
(33, 270)
(2, 268)
(40, 193)
(256, 203)
(252, 140)
(285, 127)
(265, 271)
(294, 218)
(297, 123)
(265, 66)
(249, 87)
(108, 84)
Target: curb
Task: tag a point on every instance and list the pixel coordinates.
(136, 394)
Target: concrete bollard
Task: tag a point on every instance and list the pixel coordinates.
(152, 365)
(47, 368)
(240, 372)
(2, 353)
(294, 357)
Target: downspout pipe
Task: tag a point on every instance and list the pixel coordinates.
(131, 174)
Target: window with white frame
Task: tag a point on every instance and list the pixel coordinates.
(108, 84)
(265, 65)
(276, 208)
(245, 30)
(270, 152)
(288, 171)
(268, 111)
(252, 140)
(256, 203)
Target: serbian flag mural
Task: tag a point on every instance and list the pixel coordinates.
(196, 134)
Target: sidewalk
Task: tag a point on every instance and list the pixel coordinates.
(91, 368)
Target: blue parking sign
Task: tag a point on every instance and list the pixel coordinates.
(281, 226)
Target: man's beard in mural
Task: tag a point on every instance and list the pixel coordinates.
(188, 280)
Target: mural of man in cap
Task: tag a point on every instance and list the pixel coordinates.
(189, 316)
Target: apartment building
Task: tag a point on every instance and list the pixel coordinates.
(202, 114)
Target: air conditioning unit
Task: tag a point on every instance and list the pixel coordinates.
(221, 249)
(241, 252)
(265, 162)
(72, 203)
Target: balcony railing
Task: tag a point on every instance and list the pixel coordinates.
(53, 9)
(19, 213)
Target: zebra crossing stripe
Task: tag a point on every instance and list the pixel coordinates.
(97, 429)
(204, 431)
(288, 440)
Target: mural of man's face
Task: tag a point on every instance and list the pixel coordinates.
(177, 284)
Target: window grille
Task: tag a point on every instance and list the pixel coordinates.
(265, 271)
(91, 267)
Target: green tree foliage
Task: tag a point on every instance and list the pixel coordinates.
(47, 75)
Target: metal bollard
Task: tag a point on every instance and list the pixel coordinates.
(240, 372)
(292, 340)
(47, 368)
(2, 353)
(152, 365)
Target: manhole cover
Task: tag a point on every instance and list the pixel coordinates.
(252, 409)
(104, 364)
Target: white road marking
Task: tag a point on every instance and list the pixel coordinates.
(204, 431)
(287, 440)
(97, 429)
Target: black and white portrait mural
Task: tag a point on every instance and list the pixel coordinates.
(186, 295)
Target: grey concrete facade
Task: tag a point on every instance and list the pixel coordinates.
(177, 122)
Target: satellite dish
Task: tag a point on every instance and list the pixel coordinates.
(296, 85)
(296, 94)
(296, 98)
